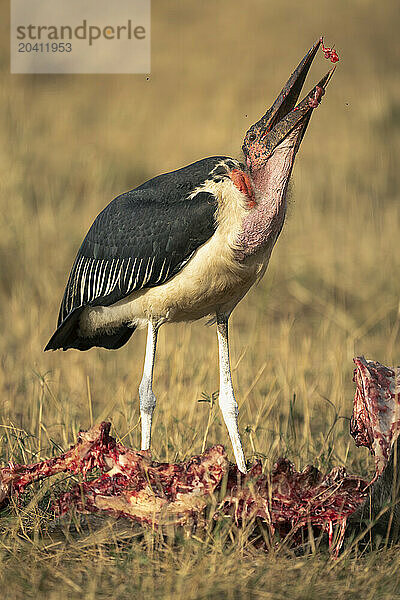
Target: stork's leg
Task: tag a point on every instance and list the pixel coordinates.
(227, 401)
(147, 398)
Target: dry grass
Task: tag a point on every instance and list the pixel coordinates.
(70, 144)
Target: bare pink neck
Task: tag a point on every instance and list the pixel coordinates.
(262, 224)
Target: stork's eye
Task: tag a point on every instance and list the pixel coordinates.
(252, 137)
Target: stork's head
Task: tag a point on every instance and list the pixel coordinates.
(270, 145)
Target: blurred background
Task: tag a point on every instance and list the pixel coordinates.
(69, 144)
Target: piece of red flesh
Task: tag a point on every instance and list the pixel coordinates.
(330, 53)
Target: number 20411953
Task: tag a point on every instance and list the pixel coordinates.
(45, 47)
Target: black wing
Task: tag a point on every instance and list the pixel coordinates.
(140, 240)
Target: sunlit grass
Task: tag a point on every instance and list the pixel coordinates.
(69, 144)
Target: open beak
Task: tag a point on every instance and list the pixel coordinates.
(284, 115)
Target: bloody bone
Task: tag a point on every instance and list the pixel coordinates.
(135, 487)
(376, 412)
(288, 502)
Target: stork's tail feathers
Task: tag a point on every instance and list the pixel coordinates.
(66, 336)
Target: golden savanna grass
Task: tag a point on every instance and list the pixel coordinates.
(69, 144)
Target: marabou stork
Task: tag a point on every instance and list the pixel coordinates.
(187, 245)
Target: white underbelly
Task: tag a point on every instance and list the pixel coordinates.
(212, 281)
